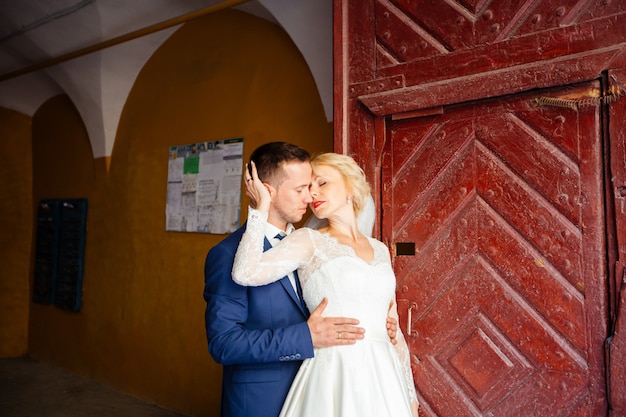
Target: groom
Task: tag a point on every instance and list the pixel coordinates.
(261, 335)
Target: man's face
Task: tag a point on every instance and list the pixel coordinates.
(292, 197)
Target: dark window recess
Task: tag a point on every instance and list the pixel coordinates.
(59, 253)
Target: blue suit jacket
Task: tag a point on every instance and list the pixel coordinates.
(259, 335)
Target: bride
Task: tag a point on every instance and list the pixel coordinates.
(372, 378)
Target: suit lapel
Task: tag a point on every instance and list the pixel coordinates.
(286, 283)
(300, 296)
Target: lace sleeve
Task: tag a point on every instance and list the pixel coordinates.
(401, 346)
(405, 356)
(253, 267)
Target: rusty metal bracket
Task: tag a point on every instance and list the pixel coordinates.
(593, 97)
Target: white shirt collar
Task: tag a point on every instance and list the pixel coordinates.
(271, 230)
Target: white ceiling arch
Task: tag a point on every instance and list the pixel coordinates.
(99, 82)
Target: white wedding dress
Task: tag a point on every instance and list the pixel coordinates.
(371, 378)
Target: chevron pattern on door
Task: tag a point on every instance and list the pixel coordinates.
(409, 30)
(506, 291)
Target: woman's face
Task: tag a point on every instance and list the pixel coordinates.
(328, 191)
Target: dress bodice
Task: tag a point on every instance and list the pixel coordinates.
(353, 287)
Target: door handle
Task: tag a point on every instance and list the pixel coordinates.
(409, 330)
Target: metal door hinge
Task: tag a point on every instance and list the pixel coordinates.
(593, 97)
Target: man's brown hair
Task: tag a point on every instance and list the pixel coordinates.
(270, 158)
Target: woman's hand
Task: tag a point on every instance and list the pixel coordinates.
(392, 323)
(257, 191)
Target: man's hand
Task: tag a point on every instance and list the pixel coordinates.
(333, 331)
(392, 325)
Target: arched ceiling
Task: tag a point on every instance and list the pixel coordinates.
(37, 38)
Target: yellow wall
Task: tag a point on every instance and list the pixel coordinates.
(16, 229)
(141, 327)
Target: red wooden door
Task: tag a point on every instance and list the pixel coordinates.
(504, 301)
(616, 192)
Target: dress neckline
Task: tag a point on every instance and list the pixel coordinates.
(353, 254)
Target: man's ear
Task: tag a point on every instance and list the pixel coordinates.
(270, 190)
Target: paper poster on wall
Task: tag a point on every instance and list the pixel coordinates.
(204, 187)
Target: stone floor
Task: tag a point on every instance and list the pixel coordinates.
(29, 388)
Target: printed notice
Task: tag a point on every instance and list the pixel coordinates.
(204, 187)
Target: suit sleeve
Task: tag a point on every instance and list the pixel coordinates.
(229, 340)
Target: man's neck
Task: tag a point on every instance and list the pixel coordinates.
(277, 221)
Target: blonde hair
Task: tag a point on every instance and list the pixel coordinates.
(352, 174)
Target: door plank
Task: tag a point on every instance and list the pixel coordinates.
(504, 202)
